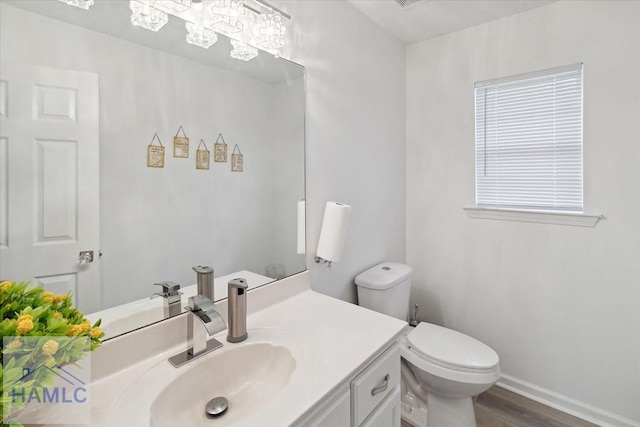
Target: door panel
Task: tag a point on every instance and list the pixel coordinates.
(49, 148)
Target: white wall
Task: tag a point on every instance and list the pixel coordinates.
(560, 304)
(355, 77)
(158, 223)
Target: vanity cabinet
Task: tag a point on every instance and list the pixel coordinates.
(333, 412)
(371, 398)
(375, 392)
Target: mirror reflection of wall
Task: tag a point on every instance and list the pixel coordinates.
(155, 224)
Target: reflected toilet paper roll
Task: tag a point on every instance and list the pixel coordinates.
(334, 231)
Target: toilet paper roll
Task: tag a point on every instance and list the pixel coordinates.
(334, 231)
(301, 227)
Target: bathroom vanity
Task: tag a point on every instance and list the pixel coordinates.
(309, 360)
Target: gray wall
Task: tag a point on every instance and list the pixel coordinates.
(355, 127)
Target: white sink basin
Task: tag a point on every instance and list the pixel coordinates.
(248, 375)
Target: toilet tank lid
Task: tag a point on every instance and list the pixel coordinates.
(384, 276)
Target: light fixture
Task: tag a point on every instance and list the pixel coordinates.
(243, 51)
(250, 23)
(146, 16)
(269, 33)
(200, 36)
(83, 4)
(227, 15)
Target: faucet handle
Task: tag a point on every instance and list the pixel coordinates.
(168, 288)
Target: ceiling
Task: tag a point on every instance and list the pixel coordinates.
(424, 19)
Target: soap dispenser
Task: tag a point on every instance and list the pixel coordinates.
(205, 281)
(237, 303)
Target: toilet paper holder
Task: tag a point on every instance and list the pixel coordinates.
(332, 233)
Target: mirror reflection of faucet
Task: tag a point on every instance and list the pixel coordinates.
(172, 298)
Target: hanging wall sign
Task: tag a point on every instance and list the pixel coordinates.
(220, 150)
(202, 156)
(155, 153)
(180, 144)
(236, 160)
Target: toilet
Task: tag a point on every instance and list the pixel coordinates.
(441, 369)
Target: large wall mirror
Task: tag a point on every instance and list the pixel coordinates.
(82, 95)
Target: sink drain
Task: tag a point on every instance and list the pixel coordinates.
(217, 407)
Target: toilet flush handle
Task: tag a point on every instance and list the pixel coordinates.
(382, 387)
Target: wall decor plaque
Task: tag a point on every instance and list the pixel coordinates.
(181, 144)
(155, 153)
(220, 150)
(236, 160)
(202, 156)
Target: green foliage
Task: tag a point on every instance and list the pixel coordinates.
(27, 311)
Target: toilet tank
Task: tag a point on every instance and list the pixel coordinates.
(386, 288)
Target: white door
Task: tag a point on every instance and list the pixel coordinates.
(49, 195)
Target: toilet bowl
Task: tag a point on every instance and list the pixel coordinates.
(441, 369)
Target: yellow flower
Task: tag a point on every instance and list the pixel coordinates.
(25, 324)
(60, 298)
(16, 343)
(95, 332)
(74, 330)
(4, 286)
(49, 348)
(79, 329)
(47, 296)
(85, 326)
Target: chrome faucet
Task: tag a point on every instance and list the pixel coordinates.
(203, 321)
(172, 297)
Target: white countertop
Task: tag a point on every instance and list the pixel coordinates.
(329, 339)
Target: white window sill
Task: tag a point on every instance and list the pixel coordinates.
(559, 218)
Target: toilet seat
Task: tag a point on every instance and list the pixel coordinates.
(451, 349)
(450, 355)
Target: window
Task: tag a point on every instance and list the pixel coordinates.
(529, 141)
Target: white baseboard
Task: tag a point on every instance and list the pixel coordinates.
(565, 404)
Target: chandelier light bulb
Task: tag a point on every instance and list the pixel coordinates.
(200, 36)
(243, 51)
(145, 16)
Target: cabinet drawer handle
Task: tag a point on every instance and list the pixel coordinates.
(382, 387)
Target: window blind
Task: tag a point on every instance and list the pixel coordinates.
(529, 141)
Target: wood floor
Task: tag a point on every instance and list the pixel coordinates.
(498, 407)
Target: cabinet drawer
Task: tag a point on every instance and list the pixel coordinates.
(374, 383)
(388, 413)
